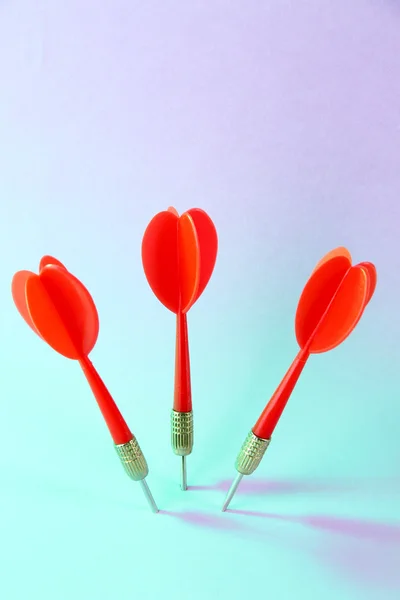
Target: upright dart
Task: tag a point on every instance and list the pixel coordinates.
(179, 254)
(59, 309)
(332, 303)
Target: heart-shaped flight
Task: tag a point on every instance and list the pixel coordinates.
(330, 306)
(179, 255)
(333, 301)
(58, 307)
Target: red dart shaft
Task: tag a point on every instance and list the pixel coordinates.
(119, 430)
(275, 407)
(182, 390)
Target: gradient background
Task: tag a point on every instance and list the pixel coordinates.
(282, 120)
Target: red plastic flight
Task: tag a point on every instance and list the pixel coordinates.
(332, 303)
(179, 255)
(60, 310)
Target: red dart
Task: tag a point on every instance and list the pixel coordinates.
(58, 308)
(332, 303)
(179, 254)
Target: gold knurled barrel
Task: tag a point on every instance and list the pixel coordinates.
(132, 459)
(250, 454)
(182, 432)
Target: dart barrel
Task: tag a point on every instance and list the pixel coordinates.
(182, 432)
(251, 454)
(132, 459)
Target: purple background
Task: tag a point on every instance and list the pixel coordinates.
(282, 120)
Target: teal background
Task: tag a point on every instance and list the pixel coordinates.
(280, 119)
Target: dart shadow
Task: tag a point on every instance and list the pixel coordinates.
(361, 550)
(204, 520)
(268, 486)
(249, 486)
(359, 529)
(383, 533)
(364, 552)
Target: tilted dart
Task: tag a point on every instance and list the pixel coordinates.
(59, 309)
(329, 308)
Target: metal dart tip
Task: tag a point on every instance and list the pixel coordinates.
(149, 496)
(184, 473)
(232, 491)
